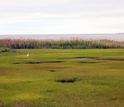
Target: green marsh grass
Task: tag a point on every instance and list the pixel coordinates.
(97, 84)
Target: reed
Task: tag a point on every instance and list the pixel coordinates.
(60, 44)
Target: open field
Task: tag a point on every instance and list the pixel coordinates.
(62, 78)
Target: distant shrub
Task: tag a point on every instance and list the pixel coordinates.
(60, 44)
(5, 49)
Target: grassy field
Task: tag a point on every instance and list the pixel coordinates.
(62, 78)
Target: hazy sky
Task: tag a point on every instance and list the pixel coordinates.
(61, 16)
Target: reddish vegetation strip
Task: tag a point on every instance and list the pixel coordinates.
(60, 44)
(98, 58)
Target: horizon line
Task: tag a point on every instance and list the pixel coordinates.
(66, 34)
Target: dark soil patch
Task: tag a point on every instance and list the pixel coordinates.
(17, 63)
(86, 62)
(113, 99)
(44, 62)
(87, 57)
(52, 70)
(67, 80)
(40, 62)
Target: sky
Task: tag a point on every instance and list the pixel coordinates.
(61, 16)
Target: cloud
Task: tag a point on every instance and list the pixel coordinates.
(61, 16)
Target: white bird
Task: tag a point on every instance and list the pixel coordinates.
(27, 54)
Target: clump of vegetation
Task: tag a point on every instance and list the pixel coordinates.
(60, 44)
(3, 49)
(6, 49)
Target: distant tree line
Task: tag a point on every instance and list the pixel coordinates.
(60, 44)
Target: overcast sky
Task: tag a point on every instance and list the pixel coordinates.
(61, 16)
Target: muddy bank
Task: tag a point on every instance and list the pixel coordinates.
(40, 62)
(97, 58)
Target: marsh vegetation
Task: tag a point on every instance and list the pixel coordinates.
(60, 44)
(62, 78)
